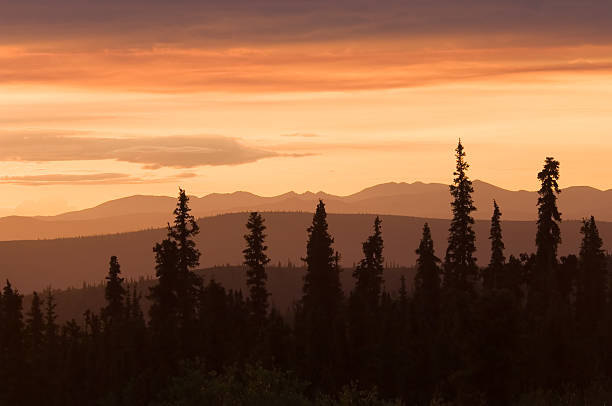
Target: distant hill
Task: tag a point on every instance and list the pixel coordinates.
(430, 200)
(72, 261)
(284, 284)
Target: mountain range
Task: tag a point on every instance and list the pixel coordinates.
(427, 200)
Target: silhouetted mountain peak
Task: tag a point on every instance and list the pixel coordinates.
(417, 199)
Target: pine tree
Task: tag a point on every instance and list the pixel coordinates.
(364, 309)
(550, 285)
(426, 313)
(255, 259)
(183, 232)
(34, 336)
(12, 371)
(174, 298)
(51, 352)
(114, 292)
(427, 283)
(319, 324)
(369, 272)
(492, 276)
(114, 337)
(548, 238)
(460, 268)
(591, 283)
(164, 310)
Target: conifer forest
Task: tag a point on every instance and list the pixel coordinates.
(533, 329)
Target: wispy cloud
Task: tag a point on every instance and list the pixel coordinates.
(151, 152)
(374, 64)
(305, 135)
(89, 179)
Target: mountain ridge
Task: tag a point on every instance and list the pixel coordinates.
(34, 265)
(417, 199)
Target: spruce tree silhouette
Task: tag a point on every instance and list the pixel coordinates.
(369, 272)
(492, 277)
(319, 322)
(591, 281)
(460, 268)
(116, 331)
(183, 232)
(548, 301)
(255, 259)
(164, 311)
(548, 238)
(114, 311)
(12, 360)
(364, 310)
(460, 272)
(34, 336)
(174, 299)
(52, 351)
(426, 310)
(427, 284)
(590, 303)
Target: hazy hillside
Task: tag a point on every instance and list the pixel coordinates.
(284, 284)
(71, 261)
(405, 199)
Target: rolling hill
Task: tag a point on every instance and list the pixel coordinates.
(71, 261)
(405, 199)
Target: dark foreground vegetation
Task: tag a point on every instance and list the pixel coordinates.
(529, 330)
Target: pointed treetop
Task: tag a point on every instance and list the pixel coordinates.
(549, 235)
(497, 243)
(460, 265)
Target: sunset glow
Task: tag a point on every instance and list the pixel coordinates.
(137, 98)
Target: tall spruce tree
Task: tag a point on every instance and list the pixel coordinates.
(115, 335)
(34, 339)
(369, 272)
(592, 276)
(164, 310)
(255, 259)
(52, 356)
(550, 285)
(364, 309)
(183, 231)
(12, 361)
(174, 298)
(115, 293)
(426, 315)
(460, 268)
(319, 324)
(492, 275)
(427, 283)
(548, 238)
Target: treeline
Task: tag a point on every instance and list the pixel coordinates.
(533, 329)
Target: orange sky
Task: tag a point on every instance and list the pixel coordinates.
(99, 101)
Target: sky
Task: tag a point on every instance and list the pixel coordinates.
(100, 100)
